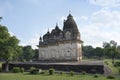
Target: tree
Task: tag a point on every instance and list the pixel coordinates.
(36, 54)
(111, 49)
(28, 53)
(88, 51)
(98, 51)
(106, 44)
(8, 46)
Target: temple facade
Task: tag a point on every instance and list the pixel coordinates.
(61, 45)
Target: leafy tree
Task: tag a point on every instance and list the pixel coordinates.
(111, 50)
(88, 51)
(98, 51)
(17, 56)
(8, 46)
(118, 48)
(36, 54)
(28, 53)
(106, 44)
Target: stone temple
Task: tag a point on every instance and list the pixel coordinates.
(61, 45)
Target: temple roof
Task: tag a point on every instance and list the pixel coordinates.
(70, 24)
(57, 34)
(47, 35)
(56, 31)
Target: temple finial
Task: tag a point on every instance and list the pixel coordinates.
(69, 16)
(48, 31)
(56, 24)
(69, 11)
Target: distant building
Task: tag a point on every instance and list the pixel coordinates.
(61, 45)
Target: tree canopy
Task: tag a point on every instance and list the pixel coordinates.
(8, 45)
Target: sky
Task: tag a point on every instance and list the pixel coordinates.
(98, 20)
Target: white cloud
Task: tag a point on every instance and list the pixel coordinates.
(104, 3)
(76, 18)
(62, 18)
(108, 18)
(34, 41)
(104, 26)
(11, 33)
(83, 18)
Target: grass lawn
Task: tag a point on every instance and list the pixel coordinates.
(20, 76)
(115, 70)
(0, 64)
(26, 76)
(112, 67)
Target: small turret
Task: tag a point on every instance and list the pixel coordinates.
(40, 39)
(46, 36)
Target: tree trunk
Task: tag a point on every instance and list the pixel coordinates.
(113, 60)
(7, 66)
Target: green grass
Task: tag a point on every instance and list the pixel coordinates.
(20, 76)
(112, 67)
(0, 64)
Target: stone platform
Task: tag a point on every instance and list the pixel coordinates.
(87, 66)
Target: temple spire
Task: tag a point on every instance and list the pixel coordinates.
(56, 24)
(69, 11)
(69, 16)
(40, 39)
(48, 31)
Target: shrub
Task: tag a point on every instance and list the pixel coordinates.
(117, 64)
(119, 70)
(22, 70)
(16, 69)
(96, 76)
(110, 77)
(61, 73)
(71, 73)
(0, 70)
(42, 72)
(51, 71)
(33, 70)
(83, 73)
(106, 62)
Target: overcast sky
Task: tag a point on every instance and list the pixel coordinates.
(97, 20)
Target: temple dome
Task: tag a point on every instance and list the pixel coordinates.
(46, 36)
(70, 24)
(56, 31)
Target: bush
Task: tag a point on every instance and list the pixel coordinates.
(22, 70)
(96, 76)
(110, 77)
(0, 70)
(106, 62)
(61, 73)
(42, 72)
(119, 70)
(51, 71)
(71, 73)
(83, 73)
(33, 70)
(117, 64)
(16, 69)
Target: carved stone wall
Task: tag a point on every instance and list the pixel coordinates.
(60, 52)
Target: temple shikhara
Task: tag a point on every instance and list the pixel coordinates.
(61, 45)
